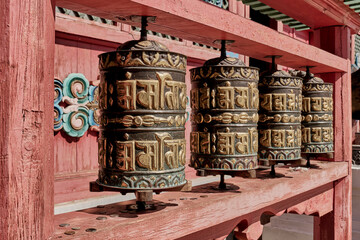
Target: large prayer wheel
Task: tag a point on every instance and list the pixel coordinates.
(279, 118)
(224, 100)
(142, 101)
(317, 116)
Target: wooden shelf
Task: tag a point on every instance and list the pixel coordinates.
(201, 22)
(217, 213)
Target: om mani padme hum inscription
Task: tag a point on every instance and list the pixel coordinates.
(142, 100)
(280, 117)
(317, 116)
(224, 100)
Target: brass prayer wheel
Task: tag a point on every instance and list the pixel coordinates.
(279, 117)
(142, 100)
(317, 116)
(224, 101)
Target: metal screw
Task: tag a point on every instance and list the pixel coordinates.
(75, 228)
(114, 215)
(91, 230)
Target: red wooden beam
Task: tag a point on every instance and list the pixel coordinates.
(74, 28)
(27, 43)
(201, 22)
(198, 216)
(338, 224)
(318, 13)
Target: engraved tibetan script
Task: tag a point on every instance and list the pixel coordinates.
(279, 138)
(152, 94)
(225, 143)
(151, 155)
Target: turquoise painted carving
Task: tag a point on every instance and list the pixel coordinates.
(76, 86)
(79, 108)
(58, 112)
(76, 123)
(93, 106)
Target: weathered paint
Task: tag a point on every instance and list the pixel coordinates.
(184, 18)
(337, 40)
(26, 119)
(212, 216)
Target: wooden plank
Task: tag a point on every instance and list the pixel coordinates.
(183, 19)
(319, 205)
(71, 187)
(64, 154)
(188, 217)
(65, 58)
(337, 40)
(26, 119)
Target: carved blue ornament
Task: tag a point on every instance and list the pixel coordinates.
(76, 123)
(58, 112)
(93, 106)
(81, 110)
(76, 86)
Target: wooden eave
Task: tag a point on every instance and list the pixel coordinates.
(318, 13)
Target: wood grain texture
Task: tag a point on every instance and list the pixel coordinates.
(107, 35)
(183, 18)
(337, 40)
(26, 113)
(197, 219)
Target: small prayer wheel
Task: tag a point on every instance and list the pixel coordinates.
(279, 117)
(317, 116)
(142, 100)
(224, 101)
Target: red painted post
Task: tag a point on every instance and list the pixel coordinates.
(27, 40)
(337, 40)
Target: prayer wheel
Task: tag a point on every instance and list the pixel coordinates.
(142, 100)
(279, 117)
(224, 101)
(317, 116)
